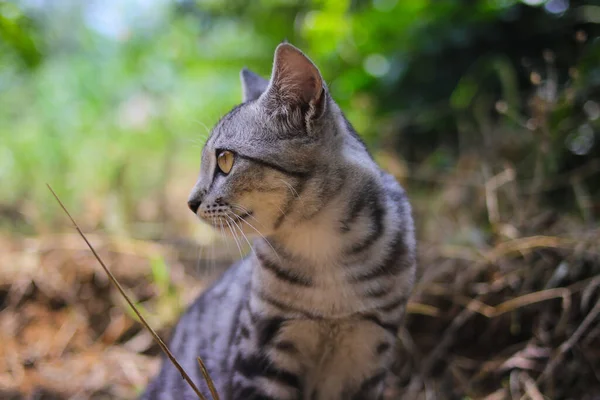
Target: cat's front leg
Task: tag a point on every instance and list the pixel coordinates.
(372, 388)
(356, 364)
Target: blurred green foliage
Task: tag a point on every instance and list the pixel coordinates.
(109, 101)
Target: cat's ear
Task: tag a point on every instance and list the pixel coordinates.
(296, 83)
(253, 85)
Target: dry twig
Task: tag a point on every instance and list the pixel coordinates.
(157, 338)
(209, 381)
(569, 343)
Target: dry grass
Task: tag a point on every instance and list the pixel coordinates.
(65, 332)
(523, 323)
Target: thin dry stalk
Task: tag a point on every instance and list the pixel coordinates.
(449, 336)
(499, 394)
(527, 244)
(491, 196)
(112, 278)
(531, 389)
(532, 298)
(569, 343)
(209, 381)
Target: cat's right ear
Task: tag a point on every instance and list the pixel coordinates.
(296, 86)
(253, 85)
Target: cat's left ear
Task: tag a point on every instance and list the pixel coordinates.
(296, 83)
(253, 85)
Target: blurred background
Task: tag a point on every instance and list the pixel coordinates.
(488, 112)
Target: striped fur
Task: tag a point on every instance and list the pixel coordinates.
(313, 311)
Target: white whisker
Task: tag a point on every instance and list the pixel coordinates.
(202, 124)
(242, 232)
(294, 192)
(234, 237)
(259, 232)
(282, 212)
(225, 238)
(213, 261)
(245, 211)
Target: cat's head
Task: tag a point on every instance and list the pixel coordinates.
(271, 151)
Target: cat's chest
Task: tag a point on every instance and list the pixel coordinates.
(344, 351)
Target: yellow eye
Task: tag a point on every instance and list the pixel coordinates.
(225, 161)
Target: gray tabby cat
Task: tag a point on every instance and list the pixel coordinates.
(313, 312)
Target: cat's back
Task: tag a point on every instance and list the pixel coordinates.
(206, 330)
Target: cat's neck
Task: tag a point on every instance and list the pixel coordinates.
(308, 263)
(319, 240)
(316, 232)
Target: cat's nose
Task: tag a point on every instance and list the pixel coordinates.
(193, 204)
(195, 198)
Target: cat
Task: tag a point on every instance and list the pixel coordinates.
(313, 312)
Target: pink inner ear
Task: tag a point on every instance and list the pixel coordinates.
(296, 76)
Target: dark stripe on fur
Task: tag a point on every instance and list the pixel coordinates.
(234, 328)
(388, 326)
(394, 304)
(383, 347)
(249, 393)
(286, 346)
(398, 196)
(281, 273)
(244, 331)
(369, 385)
(357, 204)
(267, 329)
(282, 306)
(255, 365)
(379, 292)
(276, 167)
(393, 263)
(377, 215)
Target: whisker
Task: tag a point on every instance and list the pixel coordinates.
(294, 192)
(198, 141)
(282, 212)
(257, 231)
(234, 233)
(202, 124)
(213, 262)
(221, 227)
(245, 210)
(242, 232)
(241, 207)
(225, 238)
